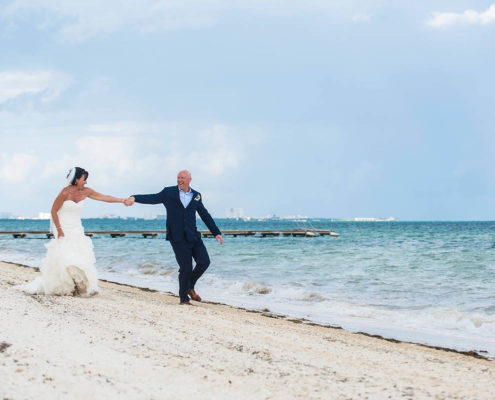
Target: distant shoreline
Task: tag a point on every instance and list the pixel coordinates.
(256, 219)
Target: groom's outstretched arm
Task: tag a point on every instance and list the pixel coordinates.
(156, 198)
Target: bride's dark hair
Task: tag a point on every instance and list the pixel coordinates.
(79, 172)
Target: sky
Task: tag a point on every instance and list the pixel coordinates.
(322, 108)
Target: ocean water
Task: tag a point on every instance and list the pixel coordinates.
(425, 282)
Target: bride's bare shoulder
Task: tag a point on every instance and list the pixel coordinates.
(65, 191)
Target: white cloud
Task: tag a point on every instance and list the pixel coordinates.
(81, 20)
(211, 152)
(46, 84)
(122, 157)
(54, 168)
(16, 168)
(468, 17)
(129, 128)
(223, 150)
(129, 152)
(361, 18)
(117, 160)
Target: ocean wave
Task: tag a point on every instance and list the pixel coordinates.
(151, 268)
(256, 288)
(314, 297)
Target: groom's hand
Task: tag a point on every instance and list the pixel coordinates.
(219, 239)
(129, 201)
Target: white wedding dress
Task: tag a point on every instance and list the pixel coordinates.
(69, 265)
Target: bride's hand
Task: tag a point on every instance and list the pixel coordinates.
(60, 233)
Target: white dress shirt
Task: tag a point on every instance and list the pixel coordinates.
(185, 197)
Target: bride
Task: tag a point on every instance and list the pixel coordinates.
(69, 265)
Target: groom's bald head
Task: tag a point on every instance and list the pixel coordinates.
(184, 172)
(183, 180)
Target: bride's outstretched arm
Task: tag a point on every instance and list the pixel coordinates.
(103, 197)
(59, 201)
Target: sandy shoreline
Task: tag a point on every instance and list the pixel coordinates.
(136, 344)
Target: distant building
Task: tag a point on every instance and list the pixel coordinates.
(109, 216)
(235, 213)
(295, 217)
(368, 219)
(43, 215)
(375, 219)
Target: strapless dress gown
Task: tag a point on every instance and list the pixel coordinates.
(69, 264)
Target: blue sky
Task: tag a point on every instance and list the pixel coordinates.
(320, 108)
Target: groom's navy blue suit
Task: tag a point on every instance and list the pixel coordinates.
(183, 234)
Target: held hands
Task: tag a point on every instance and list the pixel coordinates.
(219, 239)
(129, 201)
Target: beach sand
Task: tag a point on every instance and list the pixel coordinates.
(129, 343)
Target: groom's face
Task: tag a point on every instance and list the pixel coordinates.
(183, 180)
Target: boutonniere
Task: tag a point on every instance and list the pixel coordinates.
(198, 197)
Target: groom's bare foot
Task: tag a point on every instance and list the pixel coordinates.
(185, 303)
(194, 295)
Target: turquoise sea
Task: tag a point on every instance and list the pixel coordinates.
(426, 282)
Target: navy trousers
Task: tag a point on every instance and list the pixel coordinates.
(184, 254)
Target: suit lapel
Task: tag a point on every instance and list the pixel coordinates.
(177, 196)
(194, 193)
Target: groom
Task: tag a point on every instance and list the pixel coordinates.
(181, 203)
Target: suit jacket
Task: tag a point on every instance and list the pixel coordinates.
(181, 221)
